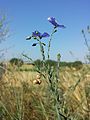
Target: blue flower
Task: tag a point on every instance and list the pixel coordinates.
(39, 35)
(54, 22)
(36, 34)
(45, 34)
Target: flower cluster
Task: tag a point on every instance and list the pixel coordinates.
(37, 35)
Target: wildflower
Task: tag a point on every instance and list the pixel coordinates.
(54, 22)
(37, 34)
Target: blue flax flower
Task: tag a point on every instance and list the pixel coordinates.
(54, 22)
(37, 34)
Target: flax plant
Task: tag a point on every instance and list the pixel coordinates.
(50, 74)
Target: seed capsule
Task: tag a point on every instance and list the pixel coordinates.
(38, 76)
(37, 81)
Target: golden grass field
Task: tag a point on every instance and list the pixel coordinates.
(21, 98)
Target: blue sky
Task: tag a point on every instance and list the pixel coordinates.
(25, 16)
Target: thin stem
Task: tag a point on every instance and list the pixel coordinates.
(87, 45)
(1, 104)
(86, 40)
(49, 43)
(41, 49)
(58, 65)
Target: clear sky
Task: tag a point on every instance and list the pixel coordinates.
(25, 16)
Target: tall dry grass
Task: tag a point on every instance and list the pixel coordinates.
(20, 99)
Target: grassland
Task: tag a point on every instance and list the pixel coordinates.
(21, 99)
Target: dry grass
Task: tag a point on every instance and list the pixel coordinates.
(75, 83)
(20, 99)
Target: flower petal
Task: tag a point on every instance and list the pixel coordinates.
(45, 34)
(36, 34)
(62, 26)
(53, 21)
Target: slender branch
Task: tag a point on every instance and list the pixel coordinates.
(49, 43)
(85, 40)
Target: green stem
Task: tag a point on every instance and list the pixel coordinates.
(49, 43)
(6, 110)
(86, 42)
(41, 49)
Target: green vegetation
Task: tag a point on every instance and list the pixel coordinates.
(52, 63)
(16, 61)
(76, 64)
